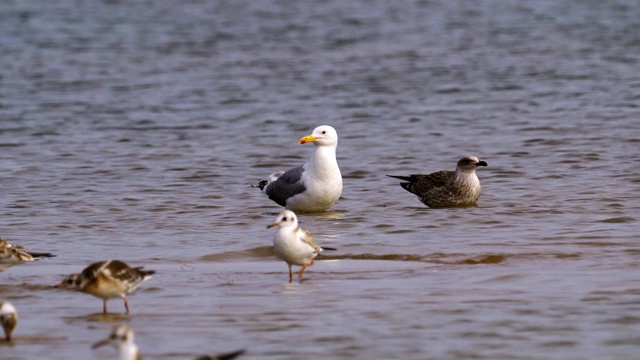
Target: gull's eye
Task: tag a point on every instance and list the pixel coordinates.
(69, 281)
(284, 218)
(324, 132)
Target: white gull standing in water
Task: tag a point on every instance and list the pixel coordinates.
(314, 186)
(447, 188)
(293, 244)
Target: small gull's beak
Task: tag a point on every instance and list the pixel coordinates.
(481, 163)
(59, 286)
(307, 139)
(272, 225)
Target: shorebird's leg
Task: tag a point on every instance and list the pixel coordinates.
(126, 304)
(290, 274)
(104, 306)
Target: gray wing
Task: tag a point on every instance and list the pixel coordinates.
(287, 185)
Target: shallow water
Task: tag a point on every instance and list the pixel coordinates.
(133, 131)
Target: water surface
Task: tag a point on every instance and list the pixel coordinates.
(133, 131)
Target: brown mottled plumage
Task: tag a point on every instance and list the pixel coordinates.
(11, 255)
(447, 188)
(106, 280)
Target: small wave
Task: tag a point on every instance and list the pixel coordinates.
(617, 220)
(435, 258)
(257, 252)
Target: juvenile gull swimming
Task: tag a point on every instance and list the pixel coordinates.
(293, 244)
(107, 280)
(8, 318)
(447, 188)
(314, 186)
(11, 255)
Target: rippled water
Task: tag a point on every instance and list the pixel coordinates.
(132, 130)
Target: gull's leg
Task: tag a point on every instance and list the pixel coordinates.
(104, 306)
(290, 274)
(302, 270)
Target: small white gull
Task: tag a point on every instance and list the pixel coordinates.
(293, 244)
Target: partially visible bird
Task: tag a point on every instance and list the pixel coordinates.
(121, 338)
(225, 356)
(11, 255)
(8, 318)
(447, 188)
(314, 186)
(106, 280)
(293, 244)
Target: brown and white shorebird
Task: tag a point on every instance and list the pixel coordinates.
(121, 337)
(11, 255)
(8, 318)
(293, 244)
(107, 280)
(314, 186)
(447, 188)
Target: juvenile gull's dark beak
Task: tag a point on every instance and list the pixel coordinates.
(481, 163)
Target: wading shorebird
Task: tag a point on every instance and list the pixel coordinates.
(11, 255)
(107, 280)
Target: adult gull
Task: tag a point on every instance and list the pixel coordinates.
(314, 186)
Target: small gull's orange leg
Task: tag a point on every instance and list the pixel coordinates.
(302, 271)
(290, 274)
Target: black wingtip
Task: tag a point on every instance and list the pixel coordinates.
(330, 249)
(225, 356)
(41, 255)
(262, 184)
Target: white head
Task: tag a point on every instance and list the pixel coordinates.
(71, 282)
(8, 318)
(469, 164)
(286, 219)
(121, 338)
(324, 135)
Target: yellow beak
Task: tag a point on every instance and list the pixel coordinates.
(307, 139)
